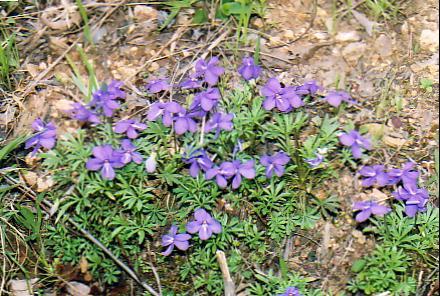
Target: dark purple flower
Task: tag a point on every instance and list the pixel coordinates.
(157, 85)
(130, 127)
(191, 83)
(415, 198)
(206, 100)
(150, 163)
(335, 98)
(164, 110)
(199, 161)
(283, 98)
(128, 152)
(356, 142)
(308, 88)
(45, 137)
(184, 122)
(408, 175)
(246, 169)
(368, 208)
(218, 122)
(83, 114)
(221, 174)
(105, 98)
(204, 224)
(248, 70)
(173, 239)
(209, 70)
(105, 158)
(275, 163)
(314, 162)
(291, 291)
(374, 175)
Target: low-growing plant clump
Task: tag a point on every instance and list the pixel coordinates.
(220, 164)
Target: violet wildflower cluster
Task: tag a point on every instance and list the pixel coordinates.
(45, 136)
(204, 224)
(291, 291)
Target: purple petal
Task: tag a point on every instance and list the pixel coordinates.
(193, 226)
(363, 215)
(94, 164)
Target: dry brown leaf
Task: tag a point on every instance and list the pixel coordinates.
(30, 178)
(83, 264)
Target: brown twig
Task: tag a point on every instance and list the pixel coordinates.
(229, 283)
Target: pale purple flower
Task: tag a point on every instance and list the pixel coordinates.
(204, 224)
(246, 170)
(308, 88)
(206, 100)
(291, 291)
(164, 110)
(283, 98)
(374, 175)
(408, 175)
(150, 163)
(209, 70)
(157, 85)
(356, 142)
(368, 208)
(199, 161)
(174, 239)
(248, 70)
(83, 114)
(129, 153)
(129, 127)
(415, 198)
(184, 122)
(314, 162)
(45, 137)
(191, 83)
(275, 163)
(105, 159)
(335, 98)
(105, 99)
(218, 122)
(222, 173)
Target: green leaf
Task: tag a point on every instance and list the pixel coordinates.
(200, 16)
(358, 265)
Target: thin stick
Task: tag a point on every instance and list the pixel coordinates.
(229, 284)
(89, 236)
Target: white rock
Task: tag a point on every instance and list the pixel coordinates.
(429, 40)
(348, 36)
(77, 289)
(354, 51)
(22, 287)
(384, 46)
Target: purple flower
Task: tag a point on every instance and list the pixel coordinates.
(314, 162)
(246, 170)
(172, 239)
(275, 163)
(221, 174)
(157, 85)
(166, 110)
(218, 122)
(248, 70)
(291, 291)
(374, 175)
(335, 98)
(209, 70)
(105, 158)
(206, 100)
(184, 122)
(130, 127)
(308, 88)
(356, 142)
(105, 98)
(407, 174)
(199, 161)
(45, 137)
(415, 198)
(368, 208)
(150, 163)
(128, 152)
(283, 98)
(81, 113)
(204, 224)
(191, 83)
